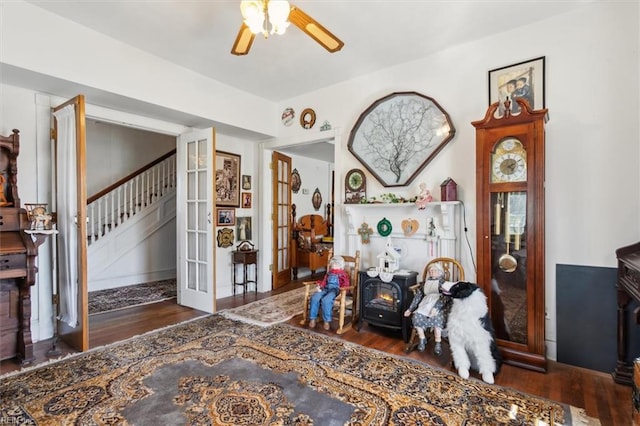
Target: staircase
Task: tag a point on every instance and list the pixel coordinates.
(131, 228)
(129, 196)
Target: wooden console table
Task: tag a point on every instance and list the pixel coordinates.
(628, 287)
(245, 258)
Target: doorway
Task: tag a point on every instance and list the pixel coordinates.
(114, 152)
(314, 151)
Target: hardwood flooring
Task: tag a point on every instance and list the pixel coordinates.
(594, 391)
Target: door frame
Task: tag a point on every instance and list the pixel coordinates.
(266, 200)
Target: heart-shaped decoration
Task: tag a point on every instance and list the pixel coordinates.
(409, 227)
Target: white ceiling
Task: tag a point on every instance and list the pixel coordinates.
(198, 35)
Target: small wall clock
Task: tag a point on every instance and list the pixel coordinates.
(355, 186)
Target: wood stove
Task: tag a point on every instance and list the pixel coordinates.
(383, 303)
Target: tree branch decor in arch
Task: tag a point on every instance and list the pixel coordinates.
(398, 135)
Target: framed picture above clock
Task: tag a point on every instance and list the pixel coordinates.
(355, 186)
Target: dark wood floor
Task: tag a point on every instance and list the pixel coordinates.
(595, 391)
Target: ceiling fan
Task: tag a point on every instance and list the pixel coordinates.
(273, 17)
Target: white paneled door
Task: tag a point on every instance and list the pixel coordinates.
(194, 219)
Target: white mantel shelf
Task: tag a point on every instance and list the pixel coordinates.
(447, 216)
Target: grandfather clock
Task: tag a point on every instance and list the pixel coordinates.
(510, 223)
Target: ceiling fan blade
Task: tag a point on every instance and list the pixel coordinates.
(243, 41)
(314, 30)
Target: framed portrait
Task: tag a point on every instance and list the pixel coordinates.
(246, 200)
(225, 217)
(398, 135)
(243, 228)
(227, 179)
(522, 80)
(246, 182)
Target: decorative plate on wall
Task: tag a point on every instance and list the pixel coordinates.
(225, 237)
(308, 118)
(295, 181)
(398, 135)
(316, 199)
(287, 116)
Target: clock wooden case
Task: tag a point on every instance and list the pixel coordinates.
(510, 153)
(355, 186)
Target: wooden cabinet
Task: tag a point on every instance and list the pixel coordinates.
(628, 287)
(510, 151)
(17, 260)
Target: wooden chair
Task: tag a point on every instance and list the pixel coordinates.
(346, 300)
(453, 271)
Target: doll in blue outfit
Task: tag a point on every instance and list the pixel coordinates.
(328, 289)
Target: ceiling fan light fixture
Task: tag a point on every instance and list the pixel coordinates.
(278, 12)
(266, 17)
(253, 13)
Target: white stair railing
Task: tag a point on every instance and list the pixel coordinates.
(131, 197)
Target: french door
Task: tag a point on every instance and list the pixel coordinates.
(195, 153)
(70, 205)
(281, 214)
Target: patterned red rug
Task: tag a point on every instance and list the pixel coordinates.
(222, 372)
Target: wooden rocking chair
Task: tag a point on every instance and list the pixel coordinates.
(346, 300)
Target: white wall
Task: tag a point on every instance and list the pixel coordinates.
(593, 136)
(249, 166)
(114, 152)
(313, 174)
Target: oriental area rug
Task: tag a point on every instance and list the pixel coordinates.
(133, 295)
(271, 310)
(217, 371)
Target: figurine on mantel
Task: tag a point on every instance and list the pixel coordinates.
(424, 197)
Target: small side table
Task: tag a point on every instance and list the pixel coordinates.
(245, 258)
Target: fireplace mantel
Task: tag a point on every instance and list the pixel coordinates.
(444, 241)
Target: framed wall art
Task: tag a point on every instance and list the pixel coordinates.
(243, 228)
(246, 182)
(225, 217)
(227, 179)
(398, 135)
(246, 200)
(522, 80)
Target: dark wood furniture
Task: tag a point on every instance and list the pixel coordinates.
(628, 287)
(310, 245)
(383, 303)
(245, 258)
(510, 179)
(17, 260)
